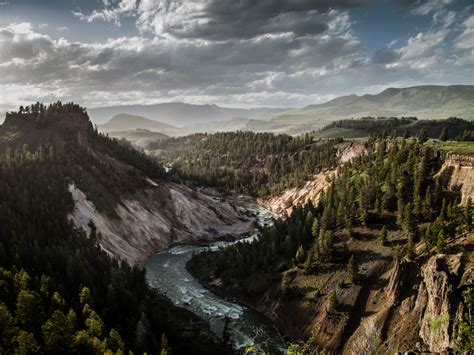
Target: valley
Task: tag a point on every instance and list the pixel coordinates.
(229, 177)
(272, 241)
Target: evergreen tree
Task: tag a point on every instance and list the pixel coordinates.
(332, 302)
(300, 255)
(315, 229)
(441, 241)
(383, 235)
(422, 135)
(58, 333)
(410, 248)
(444, 135)
(352, 270)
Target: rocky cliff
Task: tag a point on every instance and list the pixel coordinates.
(459, 172)
(311, 190)
(157, 216)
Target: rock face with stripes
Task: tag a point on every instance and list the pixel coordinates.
(159, 215)
(458, 170)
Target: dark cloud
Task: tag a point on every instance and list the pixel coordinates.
(385, 56)
(229, 19)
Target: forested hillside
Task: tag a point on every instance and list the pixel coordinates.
(59, 292)
(255, 164)
(322, 264)
(450, 129)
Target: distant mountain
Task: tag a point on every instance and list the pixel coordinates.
(235, 124)
(179, 114)
(424, 102)
(139, 137)
(125, 122)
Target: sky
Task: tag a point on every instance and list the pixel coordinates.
(236, 53)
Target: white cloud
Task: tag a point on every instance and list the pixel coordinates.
(124, 7)
(427, 6)
(256, 54)
(62, 29)
(465, 40)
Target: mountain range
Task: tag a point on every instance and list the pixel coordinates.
(180, 114)
(424, 102)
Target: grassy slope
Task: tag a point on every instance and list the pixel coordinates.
(427, 102)
(454, 146)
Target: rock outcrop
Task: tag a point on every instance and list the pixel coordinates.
(152, 219)
(459, 173)
(311, 190)
(443, 308)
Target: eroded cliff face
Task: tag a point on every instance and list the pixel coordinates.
(459, 172)
(443, 308)
(311, 191)
(157, 216)
(398, 306)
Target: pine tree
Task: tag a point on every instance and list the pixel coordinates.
(300, 255)
(352, 270)
(315, 228)
(332, 302)
(428, 235)
(349, 229)
(444, 210)
(422, 136)
(444, 135)
(340, 215)
(441, 241)
(383, 235)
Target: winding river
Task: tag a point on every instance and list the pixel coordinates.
(166, 272)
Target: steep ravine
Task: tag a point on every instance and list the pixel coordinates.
(158, 216)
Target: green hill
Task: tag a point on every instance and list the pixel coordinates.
(363, 127)
(424, 102)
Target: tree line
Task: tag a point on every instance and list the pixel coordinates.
(255, 164)
(452, 128)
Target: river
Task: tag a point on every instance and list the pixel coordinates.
(166, 272)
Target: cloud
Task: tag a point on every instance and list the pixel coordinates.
(465, 40)
(424, 7)
(62, 29)
(164, 67)
(224, 19)
(266, 52)
(385, 56)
